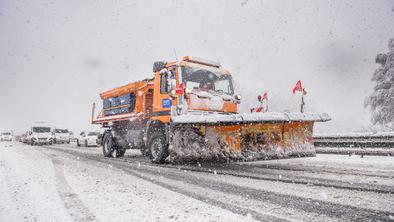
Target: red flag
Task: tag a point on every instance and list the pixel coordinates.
(181, 89)
(297, 87)
(265, 96)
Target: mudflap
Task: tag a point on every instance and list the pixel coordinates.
(240, 141)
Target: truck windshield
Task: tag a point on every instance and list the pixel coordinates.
(207, 79)
(61, 131)
(7, 134)
(41, 129)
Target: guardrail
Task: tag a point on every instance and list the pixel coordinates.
(379, 144)
(357, 140)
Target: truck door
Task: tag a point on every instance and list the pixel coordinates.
(165, 82)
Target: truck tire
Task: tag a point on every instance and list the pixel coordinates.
(158, 147)
(86, 143)
(108, 145)
(78, 143)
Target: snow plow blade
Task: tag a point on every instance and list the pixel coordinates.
(242, 137)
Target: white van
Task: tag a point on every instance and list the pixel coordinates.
(39, 135)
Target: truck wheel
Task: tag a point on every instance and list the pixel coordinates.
(86, 143)
(158, 147)
(78, 143)
(108, 145)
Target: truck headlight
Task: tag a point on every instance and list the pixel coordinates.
(173, 93)
(238, 97)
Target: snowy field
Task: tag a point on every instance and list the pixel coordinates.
(69, 183)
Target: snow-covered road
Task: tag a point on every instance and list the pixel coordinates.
(68, 183)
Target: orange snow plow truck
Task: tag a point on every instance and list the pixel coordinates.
(187, 112)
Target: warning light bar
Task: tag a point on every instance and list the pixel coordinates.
(201, 61)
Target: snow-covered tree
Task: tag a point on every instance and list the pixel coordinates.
(381, 101)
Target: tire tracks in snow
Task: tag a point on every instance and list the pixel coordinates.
(249, 171)
(319, 169)
(227, 206)
(339, 211)
(305, 180)
(334, 210)
(75, 207)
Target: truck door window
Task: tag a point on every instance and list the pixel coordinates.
(167, 82)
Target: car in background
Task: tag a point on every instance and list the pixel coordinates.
(60, 136)
(23, 137)
(6, 136)
(100, 139)
(38, 135)
(73, 138)
(17, 137)
(87, 138)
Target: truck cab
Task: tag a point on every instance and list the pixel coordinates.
(192, 85)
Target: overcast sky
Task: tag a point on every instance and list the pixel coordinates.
(57, 56)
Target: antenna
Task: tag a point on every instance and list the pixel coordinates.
(176, 57)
